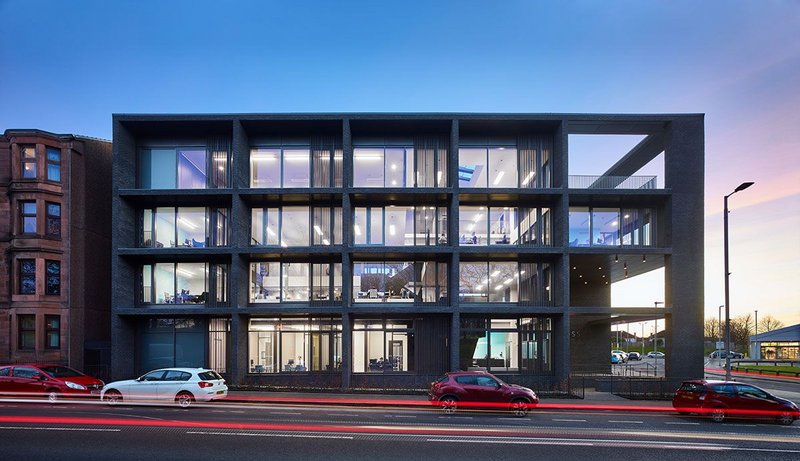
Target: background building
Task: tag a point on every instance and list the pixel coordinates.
(780, 344)
(380, 250)
(55, 220)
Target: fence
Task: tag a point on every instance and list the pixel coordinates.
(612, 182)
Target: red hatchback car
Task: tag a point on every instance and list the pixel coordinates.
(54, 381)
(479, 389)
(729, 398)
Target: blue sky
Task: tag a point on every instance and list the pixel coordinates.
(67, 66)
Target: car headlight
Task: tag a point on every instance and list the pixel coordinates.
(72, 385)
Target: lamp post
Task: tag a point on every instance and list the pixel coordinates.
(655, 344)
(642, 339)
(756, 333)
(719, 331)
(741, 187)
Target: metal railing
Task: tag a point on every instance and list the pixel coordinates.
(612, 182)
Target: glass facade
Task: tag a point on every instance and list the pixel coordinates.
(487, 167)
(183, 227)
(296, 226)
(505, 282)
(400, 282)
(599, 227)
(401, 166)
(182, 168)
(183, 283)
(294, 344)
(274, 282)
(383, 345)
(325, 252)
(400, 226)
(507, 345)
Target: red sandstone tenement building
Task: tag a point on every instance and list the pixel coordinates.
(55, 212)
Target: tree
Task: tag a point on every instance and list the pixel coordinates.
(769, 323)
(741, 330)
(712, 329)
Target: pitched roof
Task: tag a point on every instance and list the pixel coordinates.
(790, 333)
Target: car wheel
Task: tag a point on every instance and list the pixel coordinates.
(184, 399)
(52, 395)
(718, 415)
(448, 404)
(520, 407)
(113, 397)
(786, 419)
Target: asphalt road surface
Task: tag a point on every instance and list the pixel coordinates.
(223, 431)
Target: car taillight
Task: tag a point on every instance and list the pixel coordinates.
(204, 384)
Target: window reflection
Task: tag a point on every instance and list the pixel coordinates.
(182, 167)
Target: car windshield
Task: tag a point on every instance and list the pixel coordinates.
(57, 371)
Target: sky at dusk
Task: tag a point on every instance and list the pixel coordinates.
(67, 66)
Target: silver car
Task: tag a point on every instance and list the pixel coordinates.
(180, 385)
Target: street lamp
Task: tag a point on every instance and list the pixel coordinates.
(655, 345)
(741, 187)
(756, 333)
(719, 331)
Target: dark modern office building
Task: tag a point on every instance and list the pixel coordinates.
(381, 250)
(55, 226)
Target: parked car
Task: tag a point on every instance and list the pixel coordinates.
(723, 354)
(53, 381)
(622, 353)
(720, 399)
(633, 355)
(479, 389)
(655, 355)
(180, 385)
(616, 358)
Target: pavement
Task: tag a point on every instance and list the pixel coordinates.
(782, 386)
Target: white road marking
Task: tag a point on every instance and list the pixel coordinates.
(341, 414)
(570, 420)
(251, 434)
(683, 424)
(516, 442)
(412, 416)
(283, 413)
(59, 429)
(626, 422)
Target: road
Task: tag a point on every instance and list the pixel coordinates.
(223, 431)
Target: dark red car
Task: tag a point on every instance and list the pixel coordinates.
(479, 389)
(720, 399)
(53, 381)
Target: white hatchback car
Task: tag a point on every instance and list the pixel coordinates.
(180, 385)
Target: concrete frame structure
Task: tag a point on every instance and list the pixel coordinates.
(581, 316)
(80, 183)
